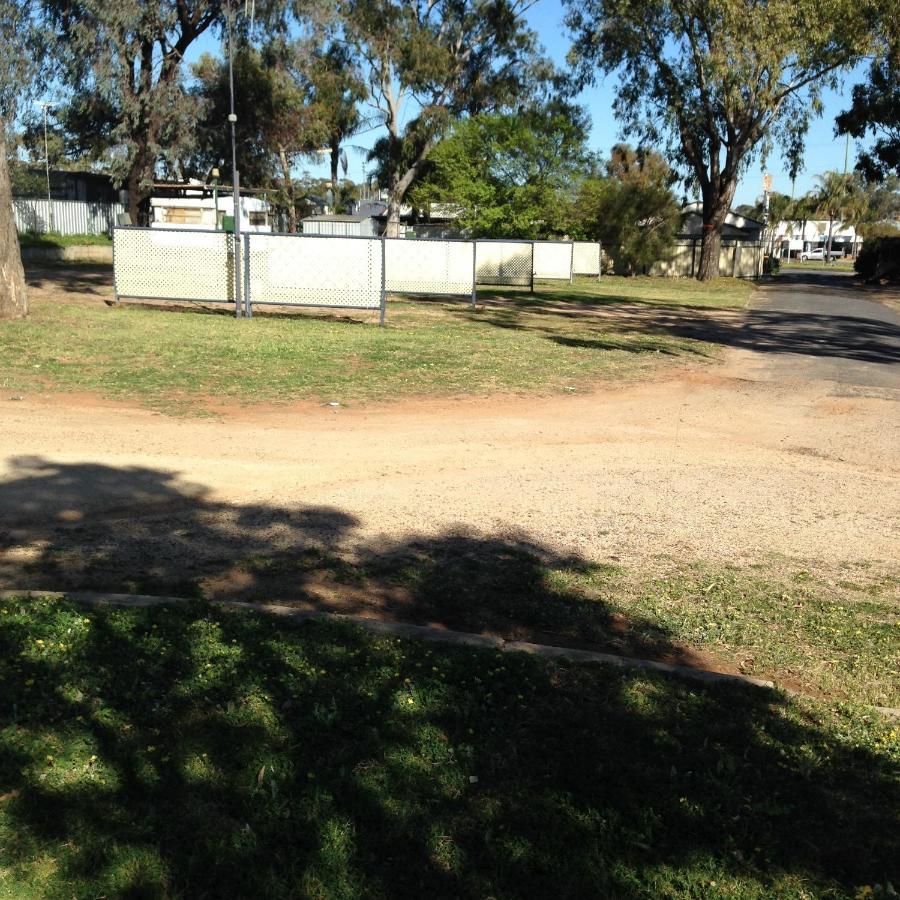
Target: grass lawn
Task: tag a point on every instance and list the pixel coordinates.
(51, 239)
(560, 338)
(196, 753)
(818, 265)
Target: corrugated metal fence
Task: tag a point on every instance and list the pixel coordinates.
(68, 216)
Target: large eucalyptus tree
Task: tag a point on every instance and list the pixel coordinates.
(718, 81)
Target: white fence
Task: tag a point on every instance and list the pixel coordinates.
(586, 258)
(297, 270)
(68, 216)
(553, 260)
(352, 272)
(173, 264)
(504, 262)
(430, 267)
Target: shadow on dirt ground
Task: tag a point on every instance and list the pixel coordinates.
(193, 752)
(141, 530)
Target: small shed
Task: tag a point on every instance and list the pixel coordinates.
(340, 225)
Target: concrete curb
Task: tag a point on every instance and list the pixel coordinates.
(402, 629)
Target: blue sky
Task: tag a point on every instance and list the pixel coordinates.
(823, 149)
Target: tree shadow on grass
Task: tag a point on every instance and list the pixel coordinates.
(196, 752)
(200, 753)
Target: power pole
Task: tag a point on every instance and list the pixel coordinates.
(45, 107)
(235, 182)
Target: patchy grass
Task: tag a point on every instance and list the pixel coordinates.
(560, 339)
(819, 635)
(52, 239)
(189, 752)
(817, 265)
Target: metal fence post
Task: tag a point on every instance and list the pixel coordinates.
(571, 262)
(115, 288)
(383, 280)
(248, 304)
(474, 273)
(599, 260)
(532, 267)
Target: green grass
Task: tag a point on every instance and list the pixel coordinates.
(560, 339)
(195, 753)
(818, 265)
(832, 637)
(52, 239)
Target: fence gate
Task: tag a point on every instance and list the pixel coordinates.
(430, 267)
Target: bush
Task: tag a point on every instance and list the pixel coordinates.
(53, 239)
(879, 259)
(771, 265)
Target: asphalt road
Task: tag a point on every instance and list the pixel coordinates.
(820, 326)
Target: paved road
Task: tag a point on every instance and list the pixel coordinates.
(819, 326)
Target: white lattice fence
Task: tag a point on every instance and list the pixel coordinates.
(553, 260)
(173, 264)
(504, 262)
(305, 270)
(429, 267)
(585, 258)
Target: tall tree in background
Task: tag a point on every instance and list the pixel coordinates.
(335, 89)
(506, 174)
(840, 198)
(439, 60)
(876, 111)
(631, 210)
(718, 79)
(123, 62)
(20, 45)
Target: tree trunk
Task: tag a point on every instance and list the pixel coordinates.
(13, 299)
(335, 181)
(138, 195)
(830, 238)
(715, 209)
(393, 217)
(288, 190)
(710, 245)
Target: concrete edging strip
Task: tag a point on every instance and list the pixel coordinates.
(401, 629)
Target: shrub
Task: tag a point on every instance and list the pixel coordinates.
(879, 259)
(771, 265)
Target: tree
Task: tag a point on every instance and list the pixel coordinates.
(719, 80)
(17, 81)
(506, 174)
(840, 198)
(631, 211)
(876, 110)
(335, 89)
(443, 58)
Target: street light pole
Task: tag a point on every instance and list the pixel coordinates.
(235, 178)
(45, 106)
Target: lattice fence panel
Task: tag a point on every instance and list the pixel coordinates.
(553, 259)
(429, 267)
(585, 258)
(298, 270)
(173, 264)
(503, 262)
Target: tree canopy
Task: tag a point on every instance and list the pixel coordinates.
(429, 63)
(715, 81)
(506, 174)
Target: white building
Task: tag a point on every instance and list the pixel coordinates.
(199, 212)
(789, 239)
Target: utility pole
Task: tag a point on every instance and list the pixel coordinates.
(45, 107)
(235, 178)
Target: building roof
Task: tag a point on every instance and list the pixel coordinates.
(736, 220)
(336, 217)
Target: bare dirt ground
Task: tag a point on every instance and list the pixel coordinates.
(768, 457)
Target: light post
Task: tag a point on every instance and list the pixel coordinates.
(235, 177)
(45, 106)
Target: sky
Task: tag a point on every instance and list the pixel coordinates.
(824, 150)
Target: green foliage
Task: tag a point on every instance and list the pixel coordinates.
(879, 258)
(875, 110)
(719, 80)
(444, 58)
(631, 211)
(51, 239)
(507, 175)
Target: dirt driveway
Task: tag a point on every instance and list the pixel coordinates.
(756, 459)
